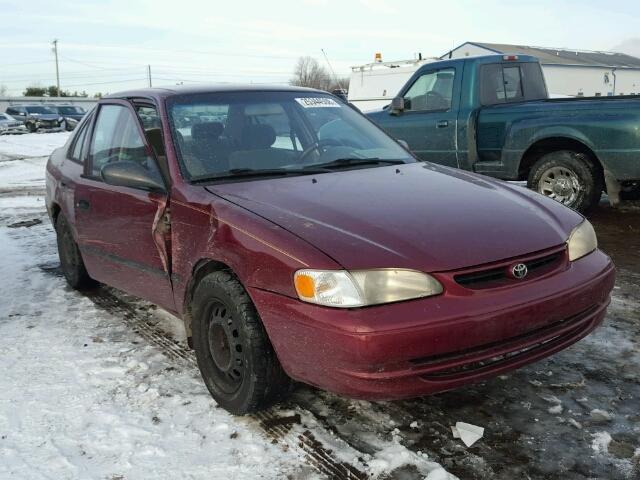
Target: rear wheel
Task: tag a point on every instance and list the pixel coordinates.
(568, 177)
(70, 258)
(236, 358)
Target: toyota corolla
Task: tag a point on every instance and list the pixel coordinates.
(298, 241)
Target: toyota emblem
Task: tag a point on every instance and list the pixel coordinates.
(519, 271)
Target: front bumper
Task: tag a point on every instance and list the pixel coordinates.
(431, 345)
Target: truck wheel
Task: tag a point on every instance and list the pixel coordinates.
(568, 177)
(70, 258)
(235, 357)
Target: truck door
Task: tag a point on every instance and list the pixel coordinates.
(428, 121)
(120, 229)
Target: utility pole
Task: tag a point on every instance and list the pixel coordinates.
(149, 74)
(55, 52)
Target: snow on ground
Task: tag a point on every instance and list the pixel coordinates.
(85, 396)
(31, 144)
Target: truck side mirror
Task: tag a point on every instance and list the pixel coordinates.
(397, 105)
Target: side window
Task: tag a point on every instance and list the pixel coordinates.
(11, 111)
(116, 138)
(76, 151)
(431, 92)
(500, 83)
(152, 127)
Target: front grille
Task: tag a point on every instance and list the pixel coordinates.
(500, 275)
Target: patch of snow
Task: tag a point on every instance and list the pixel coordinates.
(601, 441)
(82, 400)
(32, 144)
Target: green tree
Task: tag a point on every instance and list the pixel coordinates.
(34, 91)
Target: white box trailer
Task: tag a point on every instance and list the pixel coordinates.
(372, 86)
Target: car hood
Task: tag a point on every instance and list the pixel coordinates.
(419, 216)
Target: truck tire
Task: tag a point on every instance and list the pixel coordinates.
(71, 261)
(235, 357)
(568, 177)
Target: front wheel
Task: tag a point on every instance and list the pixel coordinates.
(32, 127)
(570, 178)
(236, 358)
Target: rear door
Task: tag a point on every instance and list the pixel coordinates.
(121, 230)
(428, 122)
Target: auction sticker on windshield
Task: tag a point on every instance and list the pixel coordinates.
(317, 102)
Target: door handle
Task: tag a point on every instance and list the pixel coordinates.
(442, 124)
(83, 204)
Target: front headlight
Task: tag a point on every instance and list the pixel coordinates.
(582, 241)
(360, 288)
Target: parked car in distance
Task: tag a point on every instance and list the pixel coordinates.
(71, 114)
(9, 125)
(325, 253)
(36, 117)
(492, 115)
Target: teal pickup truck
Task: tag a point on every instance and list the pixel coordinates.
(492, 115)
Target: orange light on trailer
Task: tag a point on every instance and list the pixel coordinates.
(378, 58)
(510, 58)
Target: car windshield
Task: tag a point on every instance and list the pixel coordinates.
(69, 110)
(41, 110)
(240, 134)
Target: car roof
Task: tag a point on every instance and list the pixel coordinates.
(165, 92)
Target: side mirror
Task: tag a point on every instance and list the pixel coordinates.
(397, 105)
(131, 174)
(404, 143)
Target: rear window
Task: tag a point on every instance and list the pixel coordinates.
(504, 83)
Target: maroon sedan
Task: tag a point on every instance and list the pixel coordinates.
(298, 241)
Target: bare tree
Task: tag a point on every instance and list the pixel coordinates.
(3, 90)
(309, 73)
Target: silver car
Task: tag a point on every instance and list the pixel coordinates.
(9, 125)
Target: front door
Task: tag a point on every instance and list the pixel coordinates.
(120, 231)
(428, 122)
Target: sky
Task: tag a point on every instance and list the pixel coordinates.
(106, 46)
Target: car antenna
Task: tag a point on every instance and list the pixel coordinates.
(331, 68)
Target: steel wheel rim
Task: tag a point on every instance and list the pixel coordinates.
(225, 348)
(561, 184)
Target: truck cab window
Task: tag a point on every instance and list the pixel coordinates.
(512, 83)
(500, 83)
(431, 92)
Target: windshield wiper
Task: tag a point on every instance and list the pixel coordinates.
(256, 172)
(349, 162)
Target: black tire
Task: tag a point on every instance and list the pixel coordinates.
(32, 127)
(235, 357)
(575, 179)
(71, 261)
